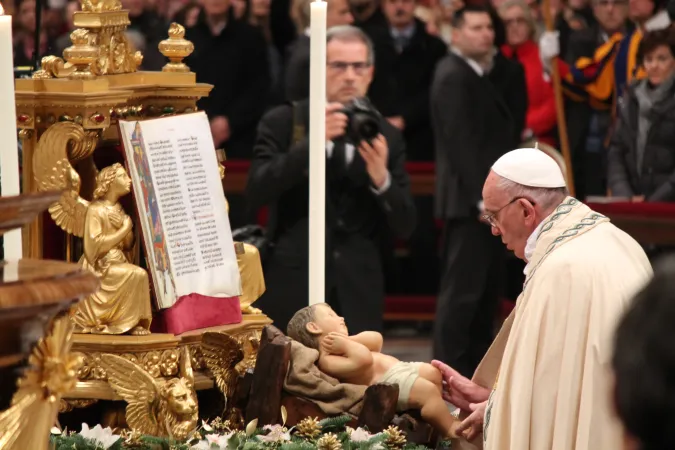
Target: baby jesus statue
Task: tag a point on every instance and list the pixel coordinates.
(358, 360)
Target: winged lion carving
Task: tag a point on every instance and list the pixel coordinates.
(154, 407)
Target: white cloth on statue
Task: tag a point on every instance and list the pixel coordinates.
(550, 363)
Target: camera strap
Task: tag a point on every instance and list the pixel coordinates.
(298, 125)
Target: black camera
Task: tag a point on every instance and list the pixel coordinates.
(363, 121)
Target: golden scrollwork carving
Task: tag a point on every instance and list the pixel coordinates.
(60, 144)
(51, 373)
(157, 363)
(176, 48)
(153, 407)
(53, 67)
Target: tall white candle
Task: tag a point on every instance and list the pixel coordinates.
(9, 153)
(317, 153)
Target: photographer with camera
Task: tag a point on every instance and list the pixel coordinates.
(367, 191)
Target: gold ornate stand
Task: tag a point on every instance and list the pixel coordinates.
(157, 353)
(67, 116)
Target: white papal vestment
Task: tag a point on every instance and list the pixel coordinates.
(550, 363)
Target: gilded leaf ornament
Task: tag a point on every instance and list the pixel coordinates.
(51, 373)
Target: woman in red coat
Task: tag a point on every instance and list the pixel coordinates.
(520, 44)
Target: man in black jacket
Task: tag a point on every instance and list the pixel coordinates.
(232, 56)
(406, 57)
(367, 189)
(473, 127)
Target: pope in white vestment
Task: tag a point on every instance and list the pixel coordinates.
(549, 367)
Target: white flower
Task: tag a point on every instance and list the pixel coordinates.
(102, 436)
(213, 442)
(221, 440)
(55, 431)
(361, 435)
(276, 433)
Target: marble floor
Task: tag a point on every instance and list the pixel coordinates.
(408, 342)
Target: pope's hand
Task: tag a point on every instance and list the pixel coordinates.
(459, 390)
(549, 46)
(473, 425)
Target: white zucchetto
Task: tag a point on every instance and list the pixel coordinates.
(530, 167)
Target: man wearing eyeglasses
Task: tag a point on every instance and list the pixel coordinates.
(368, 195)
(544, 383)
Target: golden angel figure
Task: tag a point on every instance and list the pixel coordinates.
(122, 304)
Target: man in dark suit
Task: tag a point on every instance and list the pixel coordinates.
(231, 55)
(473, 127)
(508, 78)
(367, 14)
(406, 57)
(367, 190)
(297, 66)
(405, 60)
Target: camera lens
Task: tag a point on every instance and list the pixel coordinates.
(366, 126)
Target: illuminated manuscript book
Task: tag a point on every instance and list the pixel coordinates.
(181, 206)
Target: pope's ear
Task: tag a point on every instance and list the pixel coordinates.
(313, 328)
(528, 208)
